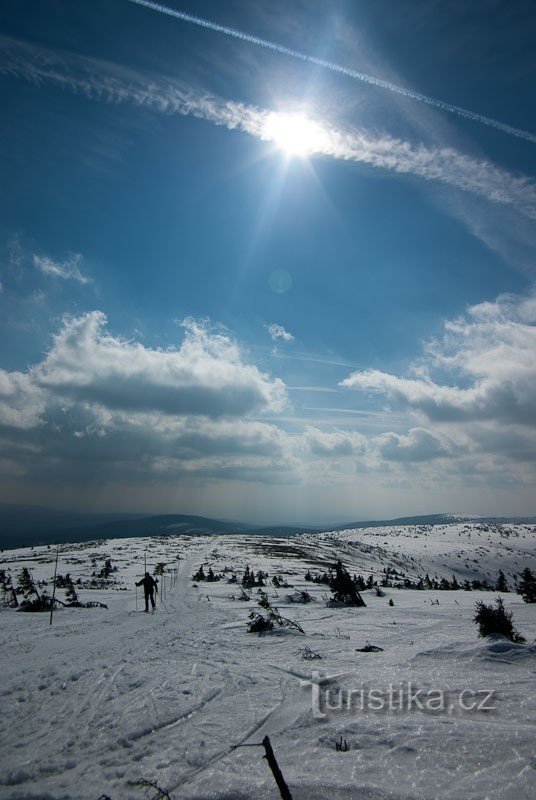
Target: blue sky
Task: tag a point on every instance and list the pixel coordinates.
(195, 319)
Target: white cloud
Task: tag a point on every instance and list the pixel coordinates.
(104, 81)
(66, 270)
(480, 410)
(98, 407)
(334, 443)
(204, 376)
(418, 445)
(278, 332)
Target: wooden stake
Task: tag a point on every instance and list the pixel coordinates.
(272, 763)
(54, 584)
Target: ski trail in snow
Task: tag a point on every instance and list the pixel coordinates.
(106, 687)
(228, 750)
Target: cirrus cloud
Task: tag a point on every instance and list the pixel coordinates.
(65, 270)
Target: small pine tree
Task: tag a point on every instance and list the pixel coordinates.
(107, 569)
(492, 620)
(344, 589)
(71, 596)
(25, 583)
(527, 586)
(502, 585)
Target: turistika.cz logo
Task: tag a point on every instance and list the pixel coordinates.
(396, 698)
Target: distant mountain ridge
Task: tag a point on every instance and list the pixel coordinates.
(432, 519)
(25, 526)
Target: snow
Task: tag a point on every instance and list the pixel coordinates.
(107, 697)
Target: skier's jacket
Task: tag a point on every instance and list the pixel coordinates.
(149, 584)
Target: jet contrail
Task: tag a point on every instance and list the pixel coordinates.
(351, 73)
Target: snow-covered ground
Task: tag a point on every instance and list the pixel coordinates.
(107, 697)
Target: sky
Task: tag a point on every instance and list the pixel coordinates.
(271, 262)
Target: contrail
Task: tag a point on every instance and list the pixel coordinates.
(351, 73)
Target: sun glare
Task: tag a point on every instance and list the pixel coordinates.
(294, 134)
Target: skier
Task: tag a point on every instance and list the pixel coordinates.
(150, 585)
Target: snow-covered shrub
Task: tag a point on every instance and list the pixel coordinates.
(308, 655)
(527, 586)
(38, 603)
(496, 619)
(344, 589)
(25, 583)
(502, 585)
(199, 575)
(299, 597)
(9, 595)
(259, 624)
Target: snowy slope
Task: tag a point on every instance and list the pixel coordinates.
(104, 697)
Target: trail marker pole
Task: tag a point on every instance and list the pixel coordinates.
(54, 584)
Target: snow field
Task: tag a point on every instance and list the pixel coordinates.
(110, 696)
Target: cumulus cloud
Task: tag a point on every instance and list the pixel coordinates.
(278, 332)
(99, 407)
(101, 80)
(334, 443)
(66, 270)
(418, 445)
(475, 391)
(205, 375)
(492, 349)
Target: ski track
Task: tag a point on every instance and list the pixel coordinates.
(110, 696)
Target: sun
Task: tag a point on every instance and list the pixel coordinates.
(294, 133)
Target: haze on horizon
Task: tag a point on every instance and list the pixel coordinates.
(237, 284)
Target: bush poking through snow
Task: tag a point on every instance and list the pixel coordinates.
(308, 655)
(39, 603)
(150, 786)
(9, 595)
(259, 623)
(299, 597)
(492, 620)
(527, 586)
(344, 589)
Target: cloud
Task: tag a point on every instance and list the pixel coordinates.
(98, 408)
(278, 332)
(110, 83)
(334, 443)
(205, 376)
(418, 445)
(66, 270)
(475, 387)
